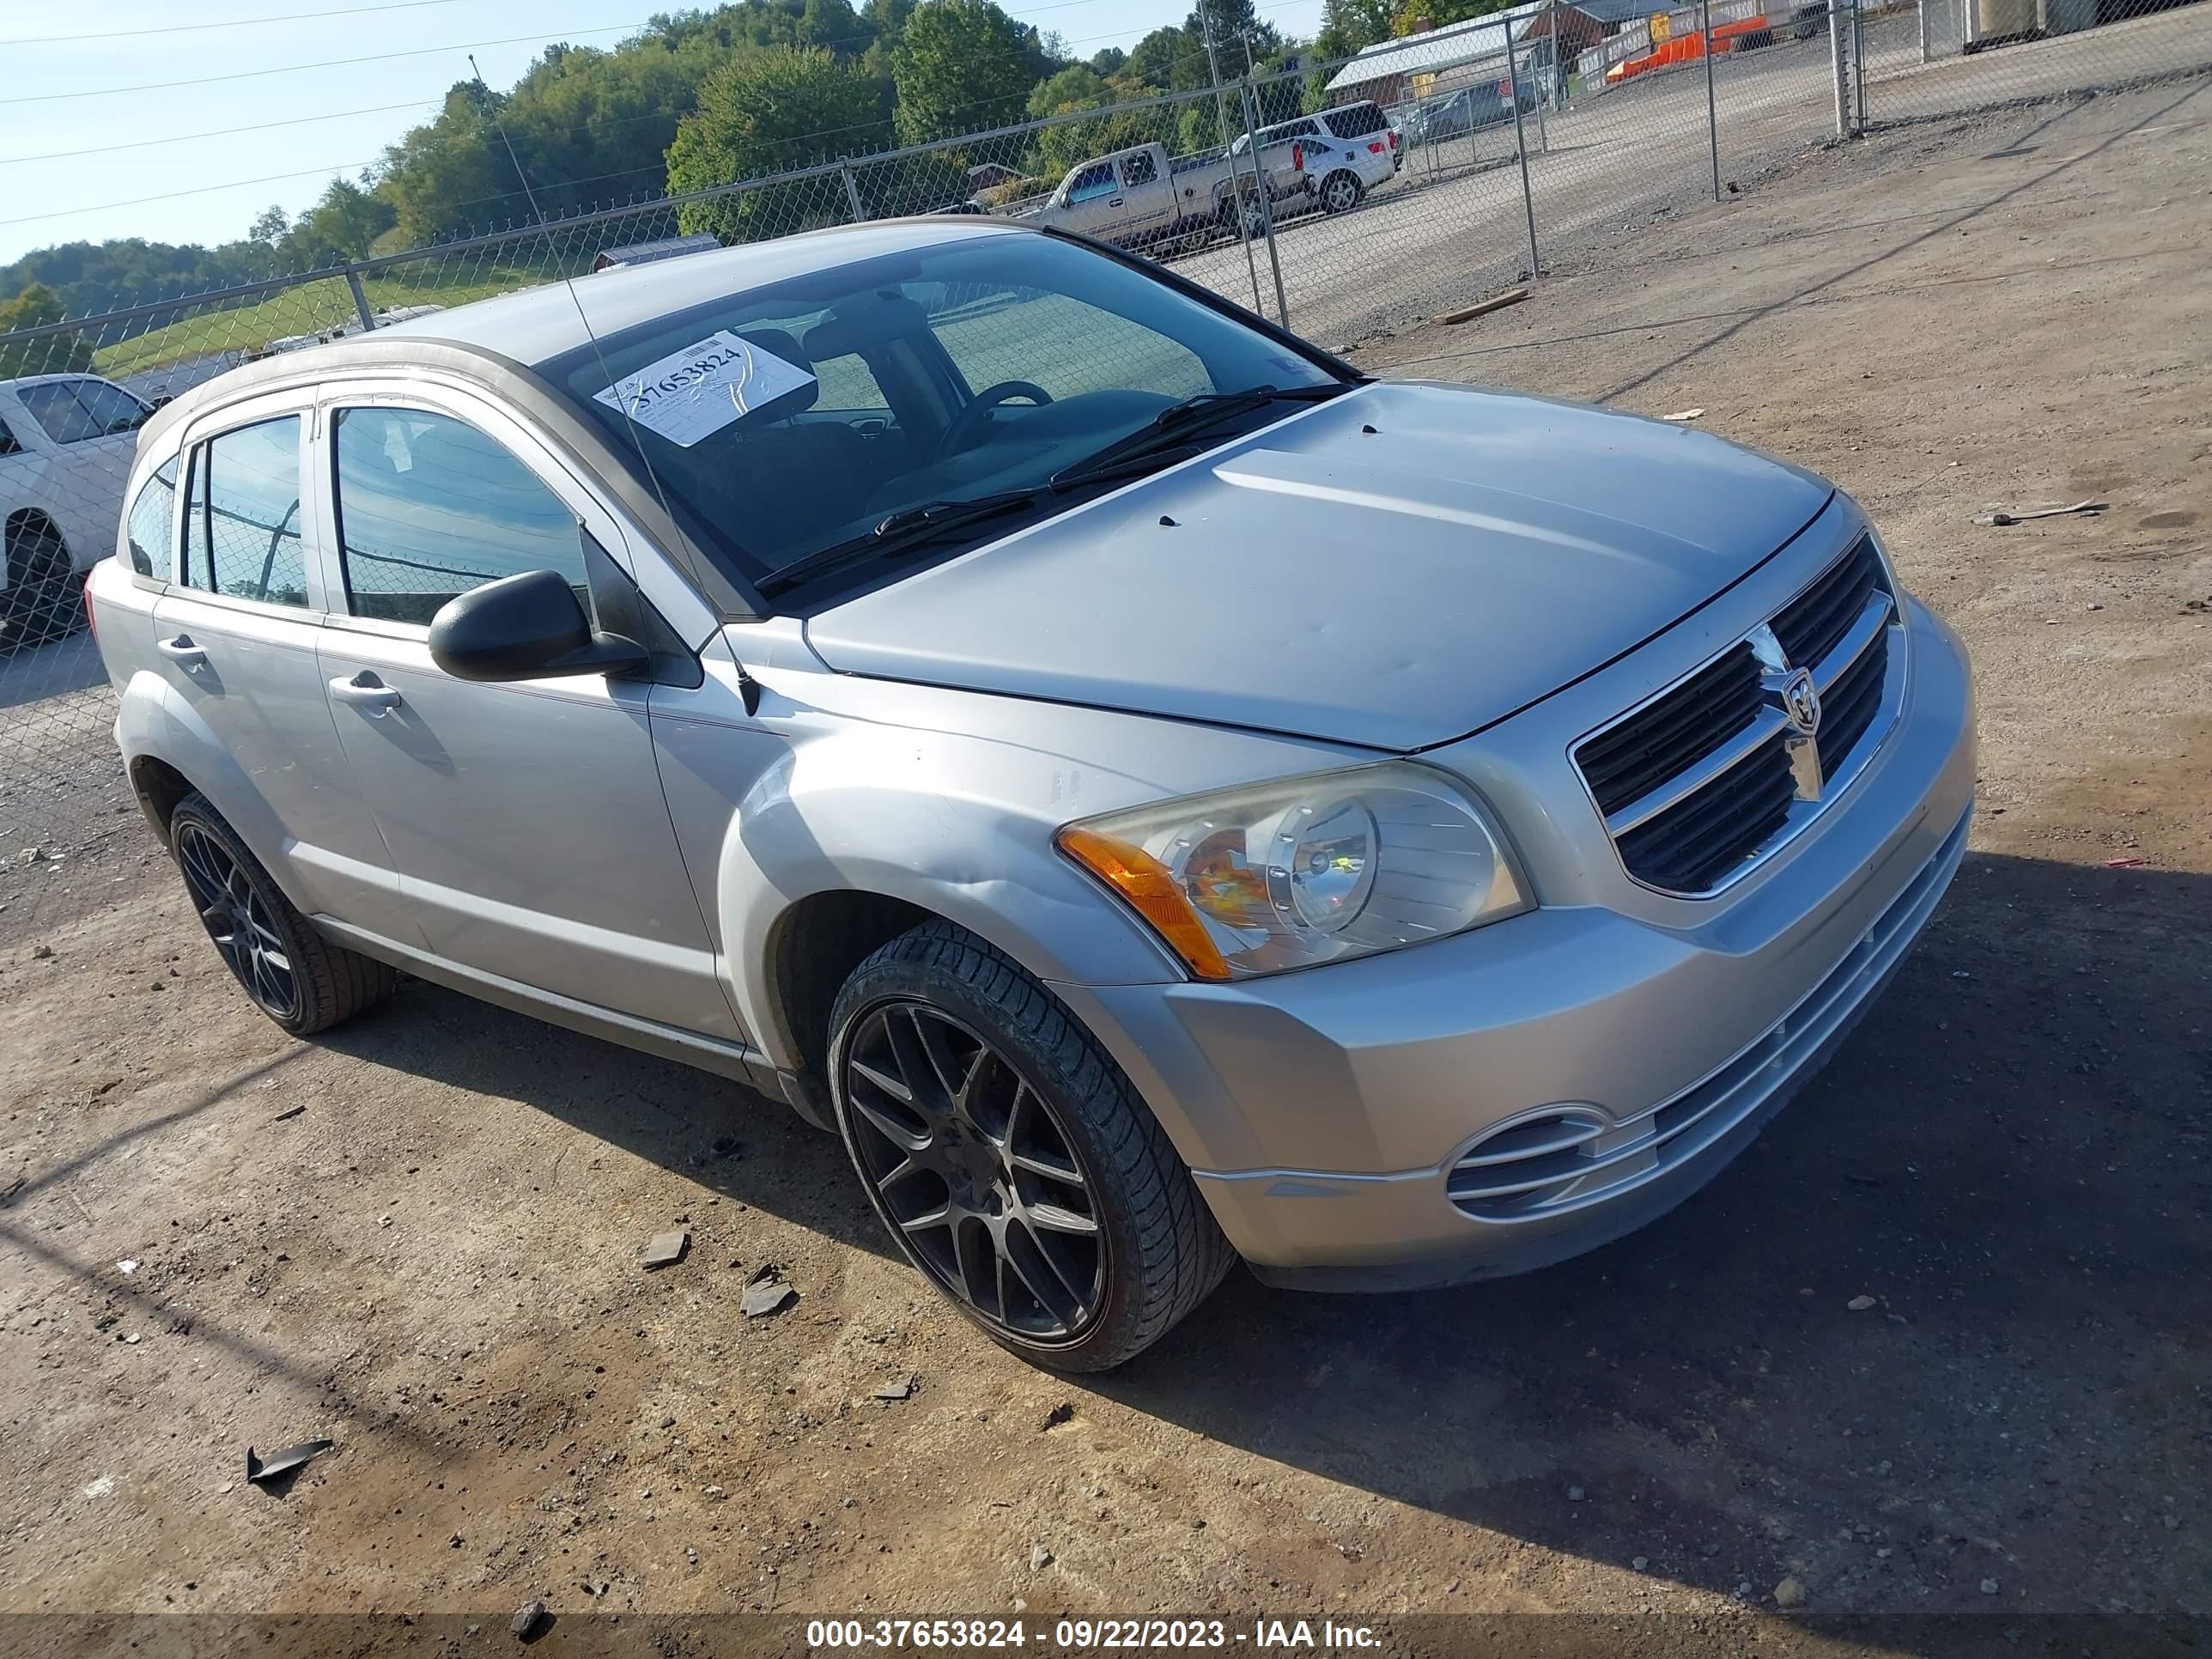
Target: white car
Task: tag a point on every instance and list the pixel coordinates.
(1348, 151)
(66, 442)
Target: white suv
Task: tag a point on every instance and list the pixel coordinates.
(66, 442)
(1348, 151)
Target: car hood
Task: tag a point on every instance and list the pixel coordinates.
(1392, 569)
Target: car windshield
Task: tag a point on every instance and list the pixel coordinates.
(799, 418)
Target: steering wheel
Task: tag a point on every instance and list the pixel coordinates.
(968, 425)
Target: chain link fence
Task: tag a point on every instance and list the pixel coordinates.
(1350, 198)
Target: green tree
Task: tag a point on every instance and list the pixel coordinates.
(50, 354)
(1107, 60)
(1079, 88)
(761, 113)
(443, 178)
(270, 227)
(1417, 16)
(1351, 26)
(963, 65)
(1156, 60)
(342, 225)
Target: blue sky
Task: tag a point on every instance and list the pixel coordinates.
(173, 185)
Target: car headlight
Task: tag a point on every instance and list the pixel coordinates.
(1307, 869)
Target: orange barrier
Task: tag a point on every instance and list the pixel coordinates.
(1685, 48)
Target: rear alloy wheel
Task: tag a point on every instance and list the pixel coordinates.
(1009, 1158)
(293, 975)
(44, 601)
(1340, 193)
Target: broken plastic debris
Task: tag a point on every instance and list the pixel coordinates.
(283, 1463)
(126, 1267)
(1998, 516)
(899, 1388)
(766, 1292)
(666, 1250)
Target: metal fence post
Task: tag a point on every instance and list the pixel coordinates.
(1221, 130)
(1266, 187)
(1712, 117)
(359, 298)
(1842, 67)
(1858, 60)
(851, 192)
(1520, 148)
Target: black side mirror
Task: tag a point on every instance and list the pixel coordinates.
(526, 627)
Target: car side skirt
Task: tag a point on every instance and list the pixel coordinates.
(739, 1061)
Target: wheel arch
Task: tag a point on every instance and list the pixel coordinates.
(169, 751)
(159, 787)
(33, 519)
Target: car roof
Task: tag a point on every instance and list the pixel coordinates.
(535, 324)
(539, 323)
(49, 380)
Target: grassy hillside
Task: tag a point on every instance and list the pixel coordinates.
(308, 309)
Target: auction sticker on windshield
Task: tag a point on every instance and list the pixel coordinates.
(692, 393)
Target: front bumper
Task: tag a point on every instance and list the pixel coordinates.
(1323, 1112)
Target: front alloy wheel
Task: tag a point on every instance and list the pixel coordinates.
(968, 1163)
(1009, 1158)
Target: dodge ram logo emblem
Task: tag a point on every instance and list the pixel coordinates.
(1800, 701)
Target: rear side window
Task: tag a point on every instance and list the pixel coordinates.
(429, 507)
(152, 523)
(1137, 169)
(1355, 120)
(71, 411)
(253, 512)
(8, 443)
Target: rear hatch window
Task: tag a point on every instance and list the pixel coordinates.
(1355, 120)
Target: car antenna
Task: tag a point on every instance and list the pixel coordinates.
(748, 687)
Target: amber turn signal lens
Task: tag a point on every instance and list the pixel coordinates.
(1151, 891)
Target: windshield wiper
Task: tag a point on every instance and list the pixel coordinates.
(896, 533)
(1173, 427)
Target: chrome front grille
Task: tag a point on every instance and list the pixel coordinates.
(1700, 782)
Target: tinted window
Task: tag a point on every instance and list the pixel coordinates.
(74, 411)
(253, 512)
(428, 507)
(112, 408)
(8, 443)
(1355, 120)
(152, 523)
(1137, 169)
(1092, 182)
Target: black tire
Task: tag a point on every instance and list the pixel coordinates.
(1340, 192)
(45, 599)
(1158, 1252)
(313, 984)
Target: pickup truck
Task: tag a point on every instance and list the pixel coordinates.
(1142, 197)
(66, 442)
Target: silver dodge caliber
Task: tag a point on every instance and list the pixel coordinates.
(1159, 795)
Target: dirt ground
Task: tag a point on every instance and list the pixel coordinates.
(419, 1235)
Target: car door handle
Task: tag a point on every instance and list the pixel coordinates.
(365, 692)
(1114, 202)
(182, 652)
